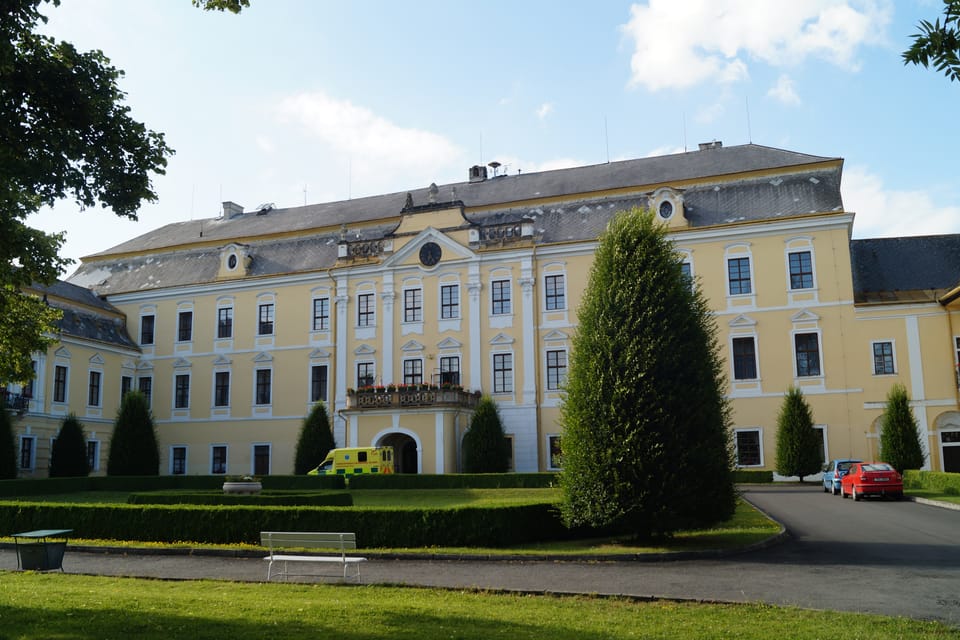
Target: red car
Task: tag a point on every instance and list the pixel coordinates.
(871, 479)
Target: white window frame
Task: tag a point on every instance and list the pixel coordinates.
(822, 428)
(144, 314)
(456, 286)
(793, 349)
(253, 457)
(371, 316)
(325, 390)
(509, 288)
(225, 307)
(99, 398)
(33, 452)
(182, 309)
(256, 384)
(173, 399)
(186, 459)
(561, 378)
(493, 372)
(749, 258)
(324, 326)
(215, 373)
(563, 294)
(226, 458)
(813, 268)
(66, 384)
(413, 306)
(95, 465)
(403, 371)
(759, 432)
(756, 357)
(356, 372)
(873, 358)
(550, 437)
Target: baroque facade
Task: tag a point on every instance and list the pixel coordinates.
(399, 309)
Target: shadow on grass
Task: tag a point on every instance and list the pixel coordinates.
(104, 624)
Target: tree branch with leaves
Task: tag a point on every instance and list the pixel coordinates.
(937, 44)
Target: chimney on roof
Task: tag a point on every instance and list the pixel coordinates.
(716, 144)
(478, 173)
(231, 209)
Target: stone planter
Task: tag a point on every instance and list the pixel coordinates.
(242, 487)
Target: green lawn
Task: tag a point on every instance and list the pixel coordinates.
(43, 606)
(934, 495)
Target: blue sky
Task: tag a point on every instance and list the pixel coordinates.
(309, 100)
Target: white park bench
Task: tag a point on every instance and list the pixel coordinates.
(275, 541)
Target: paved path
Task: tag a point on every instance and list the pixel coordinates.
(779, 575)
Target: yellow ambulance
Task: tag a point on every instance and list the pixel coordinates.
(355, 461)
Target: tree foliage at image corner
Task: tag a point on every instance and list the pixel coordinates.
(646, 439)
(937, 44)
(899, 436)
(485, 445)
(133, 445)
(798, 443)
(65, 133)
(315, 440)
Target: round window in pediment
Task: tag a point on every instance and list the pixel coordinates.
(666, 209)
(232, 261)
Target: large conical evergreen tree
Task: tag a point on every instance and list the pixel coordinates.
(899, 438)
(69, 455)
(646, 439)
(133, 446)
(315, 440)
(485, 445)
(8, 447)
(798, 443)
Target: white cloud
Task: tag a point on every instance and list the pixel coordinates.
(882, 213)
(544, 110)
(265, 144)
(681, 43)
(370, 143)
(709, 113)
(783, 91)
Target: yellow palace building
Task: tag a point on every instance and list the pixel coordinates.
(398, 310)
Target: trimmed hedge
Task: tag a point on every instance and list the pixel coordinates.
(48, 486)
(379, 527)
(751, 476)
(278, 499)
(939, 481)
(454, 481)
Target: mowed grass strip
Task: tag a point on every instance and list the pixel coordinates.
(43, 606)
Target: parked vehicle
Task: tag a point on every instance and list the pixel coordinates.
(871, 479)
(833, 472)
(356, 460)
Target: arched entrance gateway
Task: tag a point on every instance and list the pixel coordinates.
(404, 452)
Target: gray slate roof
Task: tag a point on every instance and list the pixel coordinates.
(502, 189)
(708, 203)
(108, 327)
(912, 268)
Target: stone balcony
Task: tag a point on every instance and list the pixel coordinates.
(418, 396)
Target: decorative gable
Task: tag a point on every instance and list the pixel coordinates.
(742, 321)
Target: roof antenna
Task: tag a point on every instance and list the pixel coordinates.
(683, 117)
(746, 99)
(606, 137)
